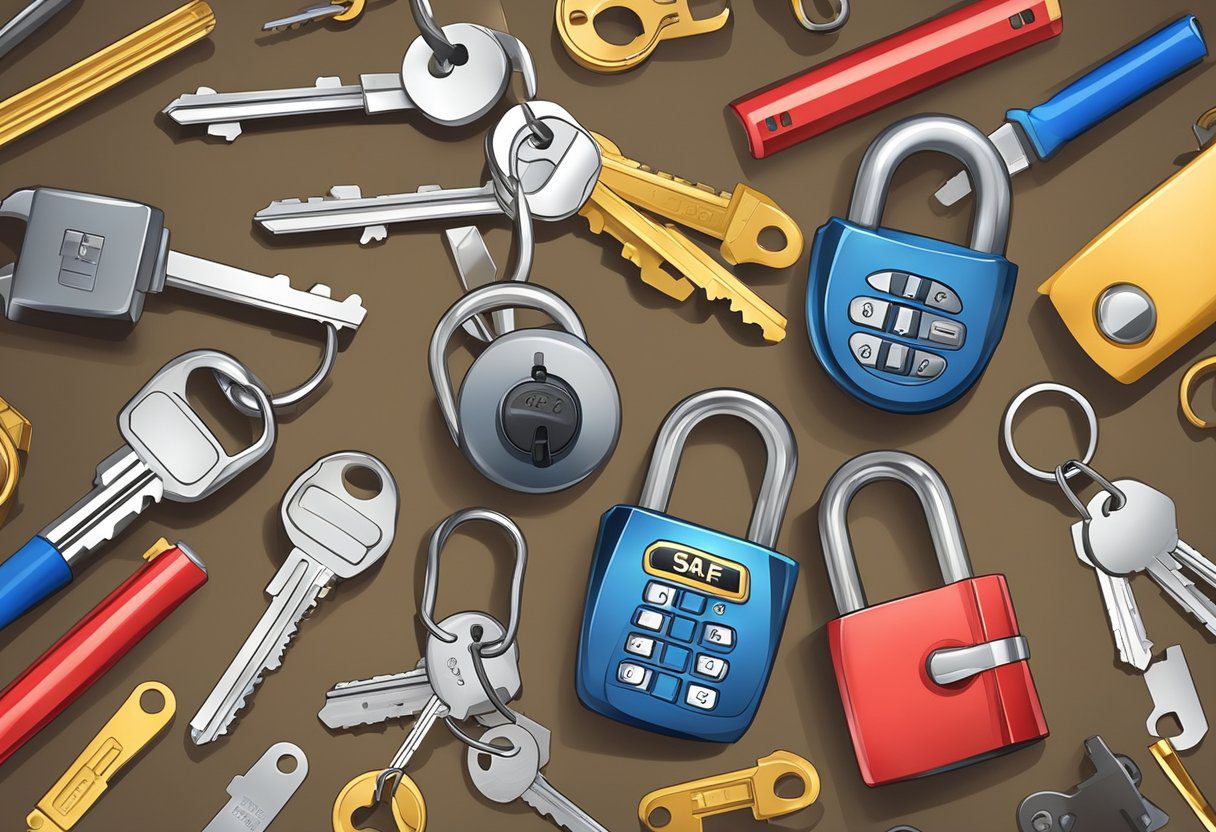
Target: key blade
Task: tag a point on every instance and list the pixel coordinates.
(25, 22)
(1013, 149)
(303, 16)
(376, 700)
(603, 212)
(224, 112)
(550, 803)
(295, 590)
(276, 294)
(1168, 575)
(1123, 614)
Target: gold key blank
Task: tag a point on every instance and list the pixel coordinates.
(683, 808)
(126, 734)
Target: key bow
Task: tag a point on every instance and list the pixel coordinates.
(661, 20)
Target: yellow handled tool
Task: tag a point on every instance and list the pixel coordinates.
(1165, 755)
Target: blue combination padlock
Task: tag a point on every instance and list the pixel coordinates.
(682, 622)
(903, 322)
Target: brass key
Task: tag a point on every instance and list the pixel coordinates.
(35, 106)
(126, 734)
(1165, 755)
(737, 218)
(687, 805)
(649, 245)
(15, 433)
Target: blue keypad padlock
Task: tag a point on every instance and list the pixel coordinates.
(682, 622)
(903, 322)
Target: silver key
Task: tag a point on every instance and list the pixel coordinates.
(1126, 625)
(461, 97)
(376, 700)
(260, 794)
(504, 779)
(336, 536)
(308, 14)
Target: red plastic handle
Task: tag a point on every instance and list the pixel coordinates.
(95, 644)
(892, 69)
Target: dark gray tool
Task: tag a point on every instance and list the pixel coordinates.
(25, 22)
(1110, 801)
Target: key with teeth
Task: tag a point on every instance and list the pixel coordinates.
(336, 536)
(458, 97)
(378, 699)
(340, 11)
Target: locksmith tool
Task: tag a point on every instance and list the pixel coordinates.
(689, 804)
(27, 21)
(1186, 390)
(890, 70)
(903, 322)
(170, 575)
(1167, 757)
(1037, 134)
(170, 454)
(120, 741)
(15, 432)
(660, 20)
(1109, 801)
(258, 795)
(934, 681)
(100, 257)
(68, 89)
(682, 622)
(1143, 288)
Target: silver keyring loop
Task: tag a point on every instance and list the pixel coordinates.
(1021, 399)
(1073, 467)
(827, 26)
(244, 401)
(430, 586)
(461, 735)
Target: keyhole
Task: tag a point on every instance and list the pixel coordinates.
(361, 482)
(377, 817)
(287, 764)
(789, 787)
(772, 238)
(152, 701)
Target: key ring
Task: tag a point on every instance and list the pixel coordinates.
(1073, 467)
(245, 402)
(1198, 371)
(445, 51)
(828, 26)
(542, 135)
(1021, 399)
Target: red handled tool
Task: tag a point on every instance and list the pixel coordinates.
(892, 69)
(97, 643)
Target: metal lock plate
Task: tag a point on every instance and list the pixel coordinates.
(87, 255)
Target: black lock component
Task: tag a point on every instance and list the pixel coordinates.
(541, 416)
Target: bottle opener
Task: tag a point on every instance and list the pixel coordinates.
(1173, 690)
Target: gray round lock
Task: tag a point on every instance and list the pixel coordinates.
(470, 89)
(539, 409)
(1126, 314)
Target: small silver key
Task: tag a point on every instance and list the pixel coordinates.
(463, 95)
(1126, 625)
(336, 536)
(260, 794)
(505, 779)
(376, 700)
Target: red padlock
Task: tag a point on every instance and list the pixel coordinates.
(935, 681)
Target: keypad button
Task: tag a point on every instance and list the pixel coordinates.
(711, 667)
(640, 646)
(913, 287)
(700, 697)
(649, 619)
(941, 296)
(897, 359)
(865, 348)
(927, 365)
(634, 675)
(942, 331)
(675, 658)
(907, 322)
(869, 312)
(718, 635)
(882, 280)
(660, 595)
(682, 628)
(666, 687)
(692, 602)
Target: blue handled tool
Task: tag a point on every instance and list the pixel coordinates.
(1037, 134)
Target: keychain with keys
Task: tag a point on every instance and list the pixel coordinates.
(170, 453)
(336, 535)
(1127, 528)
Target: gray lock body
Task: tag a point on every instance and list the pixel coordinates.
(84, 254)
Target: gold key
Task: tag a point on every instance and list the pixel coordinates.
(649, 245)
(35, 106)
(1165, 755)
(15, 433)
(408, 805)
(660, 20)
(737, 218)
(126, 734)
(687, 805)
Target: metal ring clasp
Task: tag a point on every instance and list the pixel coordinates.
(1071, 468)
(1198, 371)
(804, 20)
(1021, 399)
(244, 400)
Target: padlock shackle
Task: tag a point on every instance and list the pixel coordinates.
(955, 138)
(493, 296)
(779, 442)
(934, 497)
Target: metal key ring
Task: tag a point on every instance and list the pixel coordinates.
(430, 586)
(245, 402)
(827, 26)
(464, 737)
(1197, 372)
(445, 51)
(1021, 399)
(1073, 467)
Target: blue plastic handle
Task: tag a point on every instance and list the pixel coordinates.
(34, 572)
(1112, 86)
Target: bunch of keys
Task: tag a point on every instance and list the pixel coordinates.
(563, 169)
(470, 669)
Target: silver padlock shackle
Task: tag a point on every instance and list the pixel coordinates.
(779, 442)
(934, 497)
(955, 138)
(486, 299)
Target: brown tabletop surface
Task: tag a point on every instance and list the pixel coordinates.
(72, 378)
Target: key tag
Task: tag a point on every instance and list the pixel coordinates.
(258, 795)
(15, 431)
